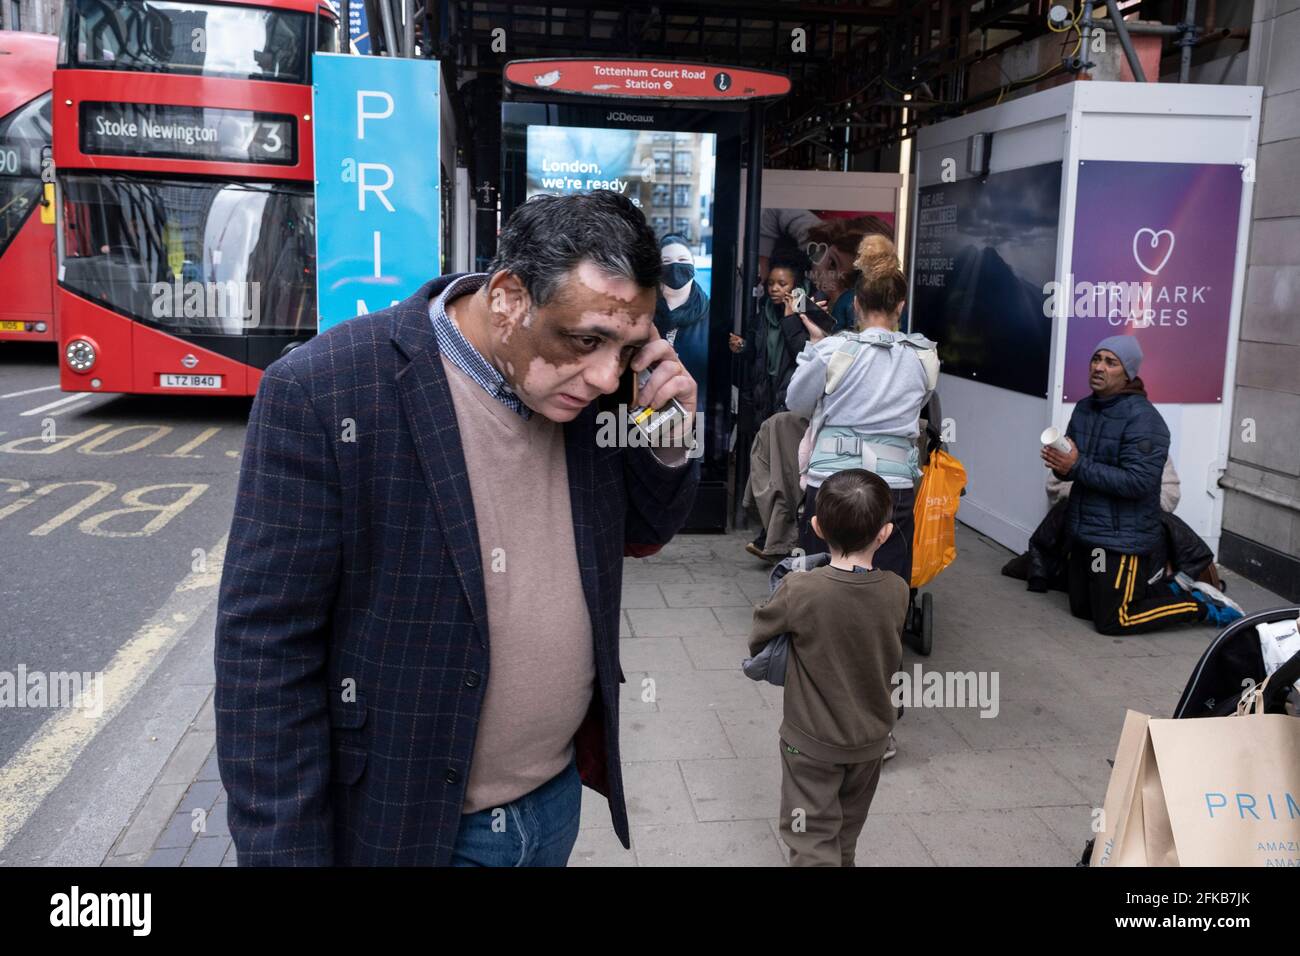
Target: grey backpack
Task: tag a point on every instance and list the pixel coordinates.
(769, 663)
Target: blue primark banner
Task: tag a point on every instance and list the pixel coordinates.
(377, 191)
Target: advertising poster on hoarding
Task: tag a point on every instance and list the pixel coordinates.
(823, 243)
(985, 256)
(669, 175)
(1155, 249)
(358, 30)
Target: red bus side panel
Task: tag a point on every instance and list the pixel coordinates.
(157, 354)
(123, 345)
(27, 281)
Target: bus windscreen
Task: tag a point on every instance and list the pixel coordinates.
(24, 133)
(195, 39)
(214, 257)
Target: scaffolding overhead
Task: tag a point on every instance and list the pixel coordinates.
(865, 74)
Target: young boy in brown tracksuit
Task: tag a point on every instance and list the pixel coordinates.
(845, 622)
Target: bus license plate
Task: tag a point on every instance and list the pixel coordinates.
(190, 381)
(11, 326)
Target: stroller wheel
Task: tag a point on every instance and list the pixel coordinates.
(912, 624)
(925, 631)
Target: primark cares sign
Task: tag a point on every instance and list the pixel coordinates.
(378, 208)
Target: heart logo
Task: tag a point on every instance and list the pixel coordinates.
(816, 250)
(1151, 247)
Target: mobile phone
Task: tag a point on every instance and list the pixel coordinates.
(821, 318)
(799, 300)
(650, 421)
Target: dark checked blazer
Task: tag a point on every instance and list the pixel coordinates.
(355, 566)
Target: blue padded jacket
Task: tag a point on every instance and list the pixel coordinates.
(1123, 443)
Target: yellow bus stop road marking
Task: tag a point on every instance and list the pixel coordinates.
(42, 763)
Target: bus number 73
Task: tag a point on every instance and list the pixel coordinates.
(272, 142)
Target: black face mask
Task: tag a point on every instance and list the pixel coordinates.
(676, 276)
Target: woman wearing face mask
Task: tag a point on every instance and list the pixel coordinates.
(863, 393)
(682, 312)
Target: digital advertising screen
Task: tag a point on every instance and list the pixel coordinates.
(680, 165)
(669, 175)
(985, 253)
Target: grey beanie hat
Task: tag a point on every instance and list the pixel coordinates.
(1126, 349)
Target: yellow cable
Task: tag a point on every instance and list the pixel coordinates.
(1058, 66)
(1034, 79)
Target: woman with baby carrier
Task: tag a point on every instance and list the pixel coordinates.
(863, 392)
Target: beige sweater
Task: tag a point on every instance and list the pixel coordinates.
(847, 630)
(541, 669)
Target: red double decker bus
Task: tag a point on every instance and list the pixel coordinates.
(183, 156)
(26, 236)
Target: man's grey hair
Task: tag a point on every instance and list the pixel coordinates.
(546, 237)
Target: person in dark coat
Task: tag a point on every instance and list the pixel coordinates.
(774, 336)
(1118, 446)
(1044, 563)
(682, 310)
(417, 624)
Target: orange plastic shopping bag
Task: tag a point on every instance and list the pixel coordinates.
(934, 539)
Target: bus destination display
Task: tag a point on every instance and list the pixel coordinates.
(188, 132)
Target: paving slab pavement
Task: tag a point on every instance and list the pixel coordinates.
(700, 740)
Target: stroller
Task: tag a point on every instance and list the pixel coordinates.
(918, 625)
(1232, 662)
(1232, 659)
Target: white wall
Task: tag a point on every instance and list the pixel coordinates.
(812, 189)
(997, 430)
(1176, 123)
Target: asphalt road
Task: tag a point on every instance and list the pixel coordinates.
(107, 503)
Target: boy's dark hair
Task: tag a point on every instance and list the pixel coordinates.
(852, 506)
(548, 236)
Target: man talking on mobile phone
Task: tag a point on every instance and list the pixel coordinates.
(417, 637)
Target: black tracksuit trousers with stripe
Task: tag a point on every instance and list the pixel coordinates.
(1110, 589)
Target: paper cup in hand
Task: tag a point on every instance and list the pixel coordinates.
(1053, 437)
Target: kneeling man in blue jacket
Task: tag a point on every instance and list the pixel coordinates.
(1119, 444)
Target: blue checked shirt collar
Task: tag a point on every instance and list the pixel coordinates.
(464, 356)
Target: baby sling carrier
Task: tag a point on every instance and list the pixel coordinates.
(837, 447)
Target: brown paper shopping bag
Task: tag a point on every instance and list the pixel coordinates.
(1232, 788)
(1134, 826)
(1212, 791)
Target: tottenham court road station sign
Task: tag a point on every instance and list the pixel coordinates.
(645, 79)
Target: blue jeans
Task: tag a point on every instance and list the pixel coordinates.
(538, 829)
